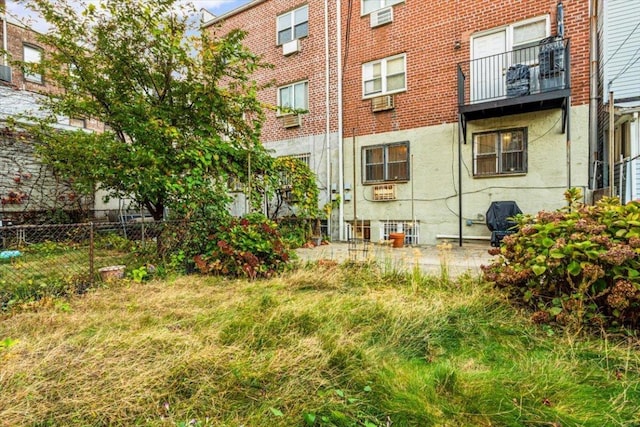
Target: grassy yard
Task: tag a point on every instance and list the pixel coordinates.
(322, 346)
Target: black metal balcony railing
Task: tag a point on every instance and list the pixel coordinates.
(535, 70)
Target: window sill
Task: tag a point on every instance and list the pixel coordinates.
(279, 45)
(375, 95)
(501, 175)
(369, 13)
(403, 181)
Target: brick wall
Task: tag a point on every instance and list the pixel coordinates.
(427, 32)
(17, 37)
(309, 64)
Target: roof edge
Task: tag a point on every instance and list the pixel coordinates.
(231, 13)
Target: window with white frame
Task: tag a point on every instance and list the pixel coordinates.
(32, 55)
(384, 76)
(386, 162)
(500, 152)
(409, 228)
(293, 98)
(369, 6)
(525, 39)
(293, 25)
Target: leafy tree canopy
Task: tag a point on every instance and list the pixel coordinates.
(181, 112)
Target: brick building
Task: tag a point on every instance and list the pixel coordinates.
(26, 186)
(438, 108)
(300, 40)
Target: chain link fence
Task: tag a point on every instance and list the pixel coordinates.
(38, 261)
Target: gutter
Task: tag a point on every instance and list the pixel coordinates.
(231, 13)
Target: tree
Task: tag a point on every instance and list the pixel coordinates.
(181, 112)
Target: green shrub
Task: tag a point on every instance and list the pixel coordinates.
(578, 265)
(250, 246)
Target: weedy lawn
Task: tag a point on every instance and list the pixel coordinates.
(322, 346)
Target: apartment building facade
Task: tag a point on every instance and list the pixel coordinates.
(27, 187)
(439, 108)
(300, 40)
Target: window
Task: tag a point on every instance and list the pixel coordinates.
(386, 162)
(500, 152)
(77, 122)
(293, 97)
(409, 228)
(526, 39)
(304, 157)
(32, 55)
(293, 25)
(369, 6)
(384, 76)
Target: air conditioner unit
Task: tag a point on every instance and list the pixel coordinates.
(291, 120)
(382, 103)
(289, 48)
(381, 17)
(5, 73)
(384, 192)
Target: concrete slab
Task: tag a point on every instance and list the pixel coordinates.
(431, 259)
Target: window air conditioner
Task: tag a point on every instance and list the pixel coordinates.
(291, 120)
(289, 48)
(382, 103)
(384, 192)
(5, 73)
(381, 17)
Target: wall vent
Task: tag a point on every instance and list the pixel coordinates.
(381, 17)
(384, 192)
(5, 73)
(289, 48)
(382, 103)
(291, 120)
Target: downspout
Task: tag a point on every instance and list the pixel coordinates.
(593, 84)
(459, 181)
(3, 6)
(340, 133)
(327, 108)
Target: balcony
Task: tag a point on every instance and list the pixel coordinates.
(530, 79)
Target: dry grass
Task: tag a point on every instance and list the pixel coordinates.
(353, 345)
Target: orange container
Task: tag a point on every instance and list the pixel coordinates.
(398, 239)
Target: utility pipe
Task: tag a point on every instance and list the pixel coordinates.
(593, 85)
(3, 6)
(340, 111)
(327, 108)
(611, 141)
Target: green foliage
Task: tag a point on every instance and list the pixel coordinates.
(182, 111)
(140, 274)
(578, 265)
(250, 246)
(289, 183)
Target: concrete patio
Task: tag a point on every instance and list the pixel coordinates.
(430, 259)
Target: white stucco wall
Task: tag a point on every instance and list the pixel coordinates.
(432, 192)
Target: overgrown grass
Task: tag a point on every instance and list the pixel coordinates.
(326, 345)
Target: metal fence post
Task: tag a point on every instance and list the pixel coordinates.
(91, 255)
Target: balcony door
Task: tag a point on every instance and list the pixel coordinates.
(489, 65)
(490, 60)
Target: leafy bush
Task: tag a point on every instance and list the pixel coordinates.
(578, 265)
(250, 246)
